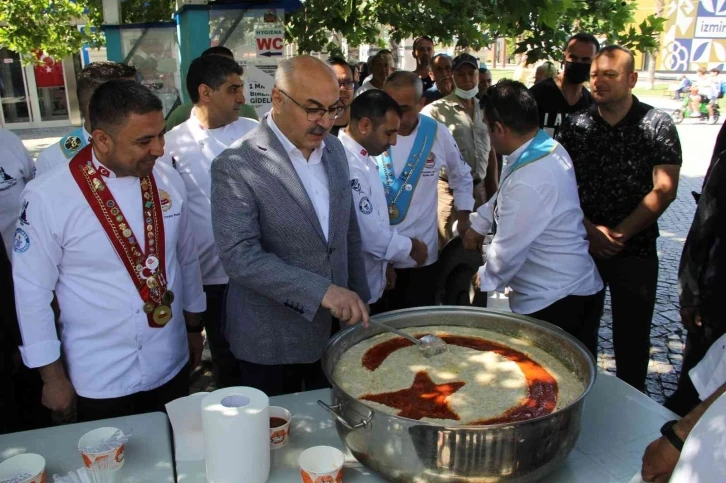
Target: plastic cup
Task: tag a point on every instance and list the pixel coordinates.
(23, 468)
(321, 464)
(97, 439)
(279, 434)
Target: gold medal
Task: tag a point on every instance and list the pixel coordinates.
(167, 298)
(127, 233)
(393, 212)
(148, 307)
(151, 282)
(162, 314)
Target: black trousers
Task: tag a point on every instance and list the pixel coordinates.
(277, 379)
(415, 287)
(576, 315)
(632, 282)
(698, 341)
(225, 367)
(138, 403)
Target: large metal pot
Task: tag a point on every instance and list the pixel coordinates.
(406, 450)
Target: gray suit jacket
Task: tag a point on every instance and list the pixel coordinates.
(275, 253)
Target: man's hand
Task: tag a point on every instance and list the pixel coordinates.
(59, 396)
(604, 243)
(390, 277)
(659, 460)
(691, 318)
(476, 281)
(419, 251)
(345, 305)
(196, 346)
(462, 222)
(473, 240)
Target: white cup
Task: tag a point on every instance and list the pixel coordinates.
(97, 438)
(321, 464)
(279, 435)
(23, 468)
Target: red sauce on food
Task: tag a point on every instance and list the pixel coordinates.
(427, 399)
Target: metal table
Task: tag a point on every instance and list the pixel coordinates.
(148, 452)
(618, 423)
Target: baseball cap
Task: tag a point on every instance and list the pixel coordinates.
(462, 59)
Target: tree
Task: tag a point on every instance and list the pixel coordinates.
(659, 8)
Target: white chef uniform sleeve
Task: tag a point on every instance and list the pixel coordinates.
(524, 213)
(27, 167)
(482, 220)
(36, 258)
(195, 301)
(378, 239)
(460, 180)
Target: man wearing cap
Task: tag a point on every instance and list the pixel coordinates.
(92, 76)
(110, 234)
(444, 81)
(459, 111)
(423, 51)
(409, 172)
(215, 86)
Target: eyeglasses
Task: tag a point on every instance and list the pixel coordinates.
(347, 84)
(317, 113)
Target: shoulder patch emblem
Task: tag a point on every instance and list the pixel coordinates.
(365, 206)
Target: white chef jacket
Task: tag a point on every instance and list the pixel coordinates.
(540, 249)
(53, 156)
(193, 148)
(381, 242)
(109, 349)
(421, 220)
(17, 170)
(312, 175)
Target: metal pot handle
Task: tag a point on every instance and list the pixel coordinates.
(334, 411)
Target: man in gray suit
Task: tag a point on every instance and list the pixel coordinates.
(287, 234)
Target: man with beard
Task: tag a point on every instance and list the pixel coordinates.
(287, 234)
(411, 170)
(627, 158)
(215, 86)
(423, 50)
(110, 234)
(460, 112)
(443, 78)
(380, 66)
(375, 118)
(565, 94)
(347, 86)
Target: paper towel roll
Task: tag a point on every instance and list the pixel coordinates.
(236, 423)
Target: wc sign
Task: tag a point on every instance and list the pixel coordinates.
(270, 41)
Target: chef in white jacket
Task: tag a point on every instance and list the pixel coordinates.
(214, 84)
(409, 172)
(539, 249)
(16, 169)
(110, 234)
(374, 123)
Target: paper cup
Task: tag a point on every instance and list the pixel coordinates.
(97, 438)
(280, 434)
(321, 464)
(23, 468)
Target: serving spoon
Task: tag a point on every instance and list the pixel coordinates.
(429, 344)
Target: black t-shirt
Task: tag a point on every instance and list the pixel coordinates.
(552, 105)
(614, 164)
(428, 83)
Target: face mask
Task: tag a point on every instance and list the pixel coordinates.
(470, 94)
(576, 72)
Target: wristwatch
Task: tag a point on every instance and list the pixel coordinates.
(670, 434)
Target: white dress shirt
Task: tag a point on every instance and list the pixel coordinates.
(365, 86)
(17, 170)
(381, 242)
(53, 156)
(421, 220)
(193, 148)
(540, 249)
(108, 346)
(312, 174)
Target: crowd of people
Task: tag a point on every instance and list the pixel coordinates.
(135, 233)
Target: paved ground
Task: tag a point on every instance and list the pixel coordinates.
(667, 335)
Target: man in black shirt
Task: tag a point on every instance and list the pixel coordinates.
(627, 158)
(423, 51)
(556, 98)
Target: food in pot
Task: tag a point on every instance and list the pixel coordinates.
(484, 378)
